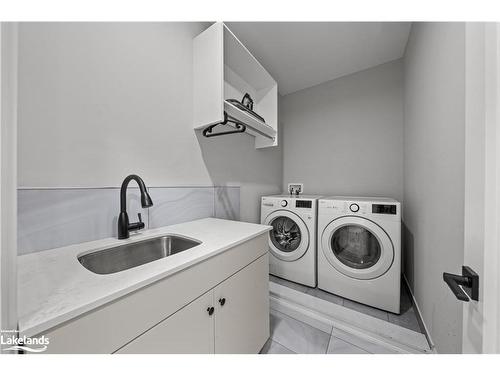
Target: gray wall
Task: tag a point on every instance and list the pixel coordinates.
(8, 134)
(345, 137)
(434, 174)
(98, 101)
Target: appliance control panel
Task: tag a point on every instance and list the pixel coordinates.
(288, 203)
(344, 206)
(361, 208)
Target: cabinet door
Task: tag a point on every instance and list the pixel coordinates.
(242, 321)
(188, 331)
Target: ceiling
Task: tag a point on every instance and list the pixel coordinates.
(303, 54)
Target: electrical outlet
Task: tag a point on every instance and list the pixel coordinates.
(295, 188)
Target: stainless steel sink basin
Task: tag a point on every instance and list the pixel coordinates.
(131, 255)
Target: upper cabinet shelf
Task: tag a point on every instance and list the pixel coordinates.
(224, 69)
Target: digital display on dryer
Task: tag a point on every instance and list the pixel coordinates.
(388, 209)
(303, 204)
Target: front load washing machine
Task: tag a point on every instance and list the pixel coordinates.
(359, 250)
(292, 241)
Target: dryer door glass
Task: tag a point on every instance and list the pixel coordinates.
(286, 235)
(355, 246)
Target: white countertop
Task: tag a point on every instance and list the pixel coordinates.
(53, 287)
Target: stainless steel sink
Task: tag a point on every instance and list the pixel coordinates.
(131, 255)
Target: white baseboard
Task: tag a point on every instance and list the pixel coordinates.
(326, 316)
(420, 317)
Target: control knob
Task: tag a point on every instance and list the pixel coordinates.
(354, 207)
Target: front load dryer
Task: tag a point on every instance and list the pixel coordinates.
(292, 241)
(359, 250)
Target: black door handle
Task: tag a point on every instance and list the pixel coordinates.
(469, 280)
(222, 301)
(454, 282)
(210, 310)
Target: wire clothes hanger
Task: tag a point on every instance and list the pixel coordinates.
(240, 127)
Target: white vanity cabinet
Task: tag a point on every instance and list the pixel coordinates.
(242, 310)
(231, 318)
(173, 315)
(188, 331)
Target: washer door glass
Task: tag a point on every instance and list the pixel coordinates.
(355, 246)
(289, 236)
(286, 234)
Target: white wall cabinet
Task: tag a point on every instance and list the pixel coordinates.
(170, 316)
(223, 68)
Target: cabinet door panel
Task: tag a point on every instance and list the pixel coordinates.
(242, 323)
(188, 331)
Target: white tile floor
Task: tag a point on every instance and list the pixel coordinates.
(407, 318)
(297, 336)
(290, 336)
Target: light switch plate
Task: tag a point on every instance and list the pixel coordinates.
(295, 188)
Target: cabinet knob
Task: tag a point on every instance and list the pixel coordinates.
(210, 310)
(222, 301)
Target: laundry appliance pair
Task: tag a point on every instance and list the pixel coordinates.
(348, 246)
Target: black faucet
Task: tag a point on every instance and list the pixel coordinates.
(123, 224)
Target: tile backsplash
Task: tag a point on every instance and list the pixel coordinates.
(177, 205)
(50, 218)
